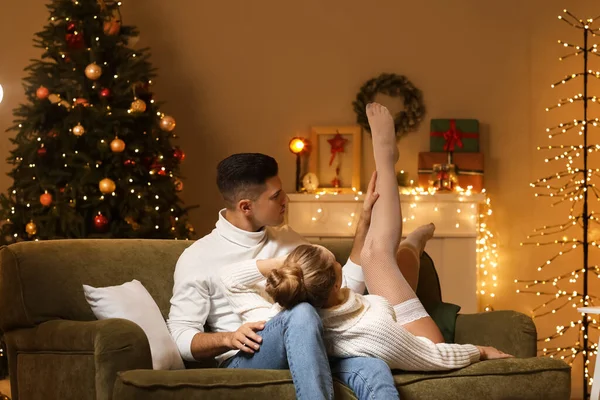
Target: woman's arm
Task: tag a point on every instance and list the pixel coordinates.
(266, 266)
(239, 283)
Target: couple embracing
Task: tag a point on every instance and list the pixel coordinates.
(256, 295)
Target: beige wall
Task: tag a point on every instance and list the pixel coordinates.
(247, 76)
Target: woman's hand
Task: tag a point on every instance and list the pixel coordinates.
(491, 353)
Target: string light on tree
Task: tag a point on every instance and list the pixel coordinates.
(578, 231)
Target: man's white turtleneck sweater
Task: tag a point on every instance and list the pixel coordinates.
(198, 300)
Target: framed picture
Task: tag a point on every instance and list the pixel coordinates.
(335, 157)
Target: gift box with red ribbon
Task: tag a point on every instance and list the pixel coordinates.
(454, 135)
(469, 168)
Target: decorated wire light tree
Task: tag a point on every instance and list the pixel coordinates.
(93, 154)
(573, 185)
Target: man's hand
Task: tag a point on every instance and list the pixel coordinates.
(370, 198)
(491, 353)
(245, 338)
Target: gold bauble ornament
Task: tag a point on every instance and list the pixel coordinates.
(178, 185)
(78, 130)
(117, 145)
(107, 186)
(93, 71)
(167, 123)
(31, 228)
(138, 106)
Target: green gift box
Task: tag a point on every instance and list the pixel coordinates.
(454, 135)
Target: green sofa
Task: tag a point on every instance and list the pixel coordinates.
(58, 350)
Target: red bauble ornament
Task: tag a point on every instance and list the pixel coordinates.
(42, 93)
(46, 199)
(42, 151)
(100, 223)
(62, 190)
(75, 41)
(162, 172)
(129, 163)
(71, 26)
(178, 154)
(105, 93)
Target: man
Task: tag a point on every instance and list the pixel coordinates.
(248, 230)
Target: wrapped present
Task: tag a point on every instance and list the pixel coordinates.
(469, 168)
(454, 135)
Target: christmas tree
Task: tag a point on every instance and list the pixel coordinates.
(569, 286)
(93, 155)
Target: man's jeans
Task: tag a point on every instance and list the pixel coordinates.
(294, 339)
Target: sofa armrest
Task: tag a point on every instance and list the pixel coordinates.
(509, 331)
(115, 344)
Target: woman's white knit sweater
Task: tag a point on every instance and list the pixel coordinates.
(363, 326)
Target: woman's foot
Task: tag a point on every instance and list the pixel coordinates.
(382, 128)
(419, 237)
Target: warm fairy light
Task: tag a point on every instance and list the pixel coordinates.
(570, 184)
(297, 145)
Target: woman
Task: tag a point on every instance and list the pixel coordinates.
(391, 323)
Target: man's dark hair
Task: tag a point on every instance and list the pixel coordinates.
(243, 176)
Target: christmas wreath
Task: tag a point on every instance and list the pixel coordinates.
(392, 85)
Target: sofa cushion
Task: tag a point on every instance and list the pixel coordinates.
(444, 315)
(230, 384)
(513, 378)
(131, 301)
(204, 384)
(498, 379)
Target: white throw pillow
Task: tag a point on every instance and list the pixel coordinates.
(132, 301)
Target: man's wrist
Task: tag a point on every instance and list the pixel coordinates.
(227, 339)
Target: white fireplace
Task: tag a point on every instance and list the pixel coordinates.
(453, 248)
